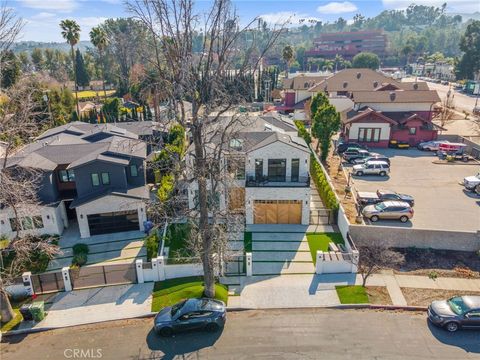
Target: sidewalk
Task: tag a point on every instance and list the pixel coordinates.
(89, 306)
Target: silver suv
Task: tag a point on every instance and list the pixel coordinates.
(390, 210)
(371, 168)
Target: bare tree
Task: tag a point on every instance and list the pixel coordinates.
(204, 79)
(19, 123)
(375, 257)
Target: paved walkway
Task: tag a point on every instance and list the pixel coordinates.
(117, 248)
(88, 306)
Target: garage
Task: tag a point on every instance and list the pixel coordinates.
(277, 212)
(106, 223)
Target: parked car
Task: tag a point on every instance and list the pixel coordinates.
(371, 168)
(445, 82)
(456, 313)
(471, 182)
(191, 314)
(385, 195)
(343, 146)
(389, 210)
(430, 145)
(351, 155)
(372, 157)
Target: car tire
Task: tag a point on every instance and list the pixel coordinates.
(165, 332)
(452, 326)
(359, 173)
(404, 219)
(212, 327)
(382, 173)
(374, 218)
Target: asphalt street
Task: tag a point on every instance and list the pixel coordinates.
(272, 334)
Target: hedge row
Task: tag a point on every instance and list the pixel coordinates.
(302, 131)
(324, 189)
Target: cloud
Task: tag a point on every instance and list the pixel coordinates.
(63, 6)
(293, 19)
(90, 21)
(42, 16)
(467, 6)
(337, 8)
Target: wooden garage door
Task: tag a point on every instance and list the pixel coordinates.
(277, 212)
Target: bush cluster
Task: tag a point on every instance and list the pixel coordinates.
(302, 131)
(151, 243)
(324, 189)
(80, 254)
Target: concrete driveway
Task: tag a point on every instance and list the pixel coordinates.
(440, 201)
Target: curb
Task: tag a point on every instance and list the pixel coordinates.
(42, 329)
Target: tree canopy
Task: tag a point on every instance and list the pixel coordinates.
(366, 60)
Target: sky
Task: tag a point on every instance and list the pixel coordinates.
(43, 16)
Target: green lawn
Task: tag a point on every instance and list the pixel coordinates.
(90, 93)
(16, 320)
(352, 294)
(320, 241)
(169, 292)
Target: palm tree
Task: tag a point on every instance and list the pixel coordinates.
(287, 55)
(71, 33)
(328, 65)
(99, 39)
(338, 61)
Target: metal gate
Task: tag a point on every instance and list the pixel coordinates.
(322, 217)
(47, 282)
(93, 276)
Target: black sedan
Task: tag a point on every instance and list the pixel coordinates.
(456, 313)
(343, 146)
(385, 195)
(191, 314)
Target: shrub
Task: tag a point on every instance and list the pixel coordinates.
(302, 131)
(80, 249)
(166, 187)
(324, 189)
(151, 243)
(79, 259)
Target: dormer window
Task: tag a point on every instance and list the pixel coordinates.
(133, 170)
(65, 176)
(236, 144)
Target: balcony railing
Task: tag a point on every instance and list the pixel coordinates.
(264, 181)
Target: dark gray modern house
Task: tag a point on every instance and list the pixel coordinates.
(92, 176)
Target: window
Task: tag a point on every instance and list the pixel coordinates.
(236, 167)
(213, 199)
(369, 134)
(105, 178)
(133, 170)
(95, 179)
(27, 223)
(236, 144)
(277, 170)
(66, 176)
(412, 130)
(295, 169)
(38, 222)
(13, 224)
(258, 169)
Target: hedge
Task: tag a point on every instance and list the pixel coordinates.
(151, 243)
(302, 131)
(324, 189)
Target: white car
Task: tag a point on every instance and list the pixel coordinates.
(431, 145)
(372, 168)
(471, 182)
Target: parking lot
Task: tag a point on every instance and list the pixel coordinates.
(440, 201)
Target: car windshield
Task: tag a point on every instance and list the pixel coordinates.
(380, 206)
(177, 307)
(457, 305)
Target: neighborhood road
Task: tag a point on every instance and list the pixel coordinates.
(265, 334)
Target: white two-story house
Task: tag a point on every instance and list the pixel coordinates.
(271, 183)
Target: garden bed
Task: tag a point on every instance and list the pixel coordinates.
(424, 297)
(169, 292)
